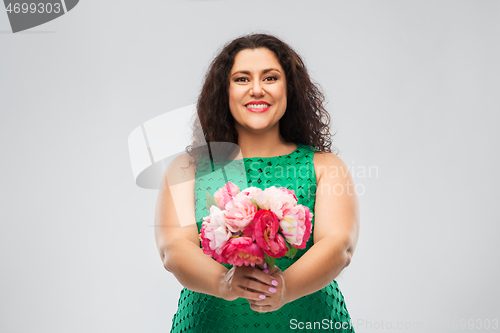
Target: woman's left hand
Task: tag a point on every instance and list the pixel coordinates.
(275, 298)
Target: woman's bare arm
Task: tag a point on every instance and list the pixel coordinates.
(178, 243)
(176, 232)
(336, 230)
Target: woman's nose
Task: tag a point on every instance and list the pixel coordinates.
(256, 89)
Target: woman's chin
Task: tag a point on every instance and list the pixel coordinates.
(259, 128)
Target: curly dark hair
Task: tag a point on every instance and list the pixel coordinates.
(305, 120)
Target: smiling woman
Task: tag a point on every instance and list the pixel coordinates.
(257, 91)
(258, 95)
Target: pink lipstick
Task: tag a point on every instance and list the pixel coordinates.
(258, 106)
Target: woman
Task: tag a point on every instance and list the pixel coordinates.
(257, 94)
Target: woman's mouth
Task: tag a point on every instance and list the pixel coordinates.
(257, 107)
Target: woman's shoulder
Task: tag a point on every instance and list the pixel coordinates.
(325, 157)
(180, 169)
(327, 164)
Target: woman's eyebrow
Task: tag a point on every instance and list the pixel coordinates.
(263, 72)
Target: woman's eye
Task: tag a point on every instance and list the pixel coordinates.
(244, 79)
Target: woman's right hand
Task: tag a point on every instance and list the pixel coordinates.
(246, 282)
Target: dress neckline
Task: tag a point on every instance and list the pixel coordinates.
(274, 157)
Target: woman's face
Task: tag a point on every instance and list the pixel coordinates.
(257, 90)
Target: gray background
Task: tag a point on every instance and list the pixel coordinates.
(412, 89)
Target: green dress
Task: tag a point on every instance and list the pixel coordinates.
(324, 310)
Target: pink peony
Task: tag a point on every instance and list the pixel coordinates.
(291, 192)
(214, 233)
(296, 225)
(307, 234)
(252, 191)
(223, 195)
(264, 230)
(239, 212)
(205, 243)
(276, 200)
(241, 251)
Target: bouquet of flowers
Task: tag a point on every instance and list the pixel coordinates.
(254, 225)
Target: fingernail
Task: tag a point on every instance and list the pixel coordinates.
(274, 283)
(266, 271)
(271, 289)
(262, 296)
(265, 265)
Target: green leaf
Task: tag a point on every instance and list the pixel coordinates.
(211, 201)
(269, 260)
(291, 251)
(256, 204)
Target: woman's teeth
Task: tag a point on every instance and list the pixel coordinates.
(257, 106)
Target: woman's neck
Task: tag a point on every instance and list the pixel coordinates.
(265, 144)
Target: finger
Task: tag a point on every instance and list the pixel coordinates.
(268, 301)
(250, 295)
(268, 292)
(263, 265)
(256, 286)
(273, 270)
(268, 269)
(262, 277)
(253, 302)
